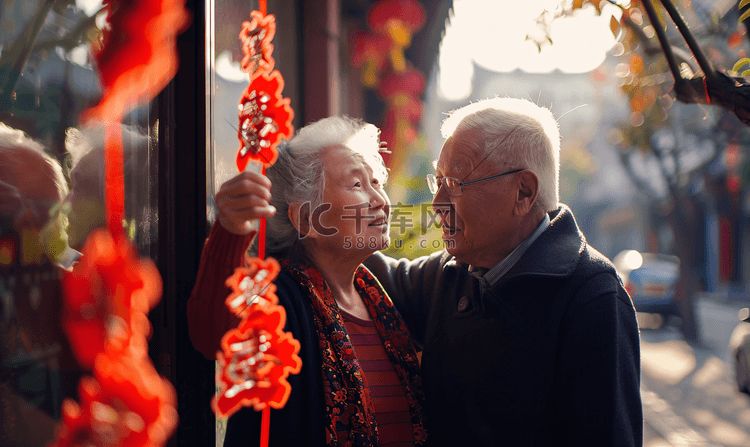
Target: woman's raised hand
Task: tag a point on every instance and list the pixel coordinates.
(243, 199)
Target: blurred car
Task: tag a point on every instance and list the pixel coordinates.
(739, 351)
(650, 280)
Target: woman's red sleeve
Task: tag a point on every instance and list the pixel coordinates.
(208, 316)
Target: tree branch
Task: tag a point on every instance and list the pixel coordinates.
(625, 159)
(713, 87)
(650, 49)
(19, 54)
(682, 27)
(663, 41)
(72, 39)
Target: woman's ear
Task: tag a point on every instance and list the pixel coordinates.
(302, 217)
(528, 190)
(299, 215)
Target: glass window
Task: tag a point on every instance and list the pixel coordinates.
(52, 195)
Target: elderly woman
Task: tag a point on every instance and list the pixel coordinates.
(327, 212)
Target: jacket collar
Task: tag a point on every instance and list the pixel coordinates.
(556, 252)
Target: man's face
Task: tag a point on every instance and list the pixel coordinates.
(86, 199)
(478, 226)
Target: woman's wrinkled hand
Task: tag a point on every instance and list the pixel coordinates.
(243, 199)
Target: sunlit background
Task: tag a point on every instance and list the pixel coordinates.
(499, 36)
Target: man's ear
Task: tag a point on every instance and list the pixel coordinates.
(300, 215)
(528, 190)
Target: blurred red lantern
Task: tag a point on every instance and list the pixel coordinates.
(398, 20)
(409, 81)
(398, 132)
(370, 55)
(399, 128)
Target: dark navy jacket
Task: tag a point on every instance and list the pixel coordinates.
(549, 356)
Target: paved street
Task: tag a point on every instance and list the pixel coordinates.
(689, 393)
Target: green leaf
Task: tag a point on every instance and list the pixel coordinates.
(740, 63)
(744, 15)
(744, 3)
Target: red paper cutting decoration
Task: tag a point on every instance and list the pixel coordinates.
(257, 356)
(107, 296)
(265, 116)
(137, 58)
(256, 37)
(126, 406)
(109, 293)
(254, 365)
(251, 283)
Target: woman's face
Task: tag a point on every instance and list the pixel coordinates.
(355, 211)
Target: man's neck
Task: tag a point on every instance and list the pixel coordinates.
(489, 277)
(526, 227)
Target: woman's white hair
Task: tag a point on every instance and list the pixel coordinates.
(298, 176)
(521, 134)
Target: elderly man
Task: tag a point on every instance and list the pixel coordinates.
(528, 335)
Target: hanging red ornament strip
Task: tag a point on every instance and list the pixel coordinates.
(257, 356)
(107, 297)
(109, 293)
(265, 116)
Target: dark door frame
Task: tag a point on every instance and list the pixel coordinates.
(182, 230)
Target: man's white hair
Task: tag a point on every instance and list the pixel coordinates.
(14, 141)
(298, 176)
(521, 134)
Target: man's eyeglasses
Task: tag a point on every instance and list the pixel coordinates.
(453, 186)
